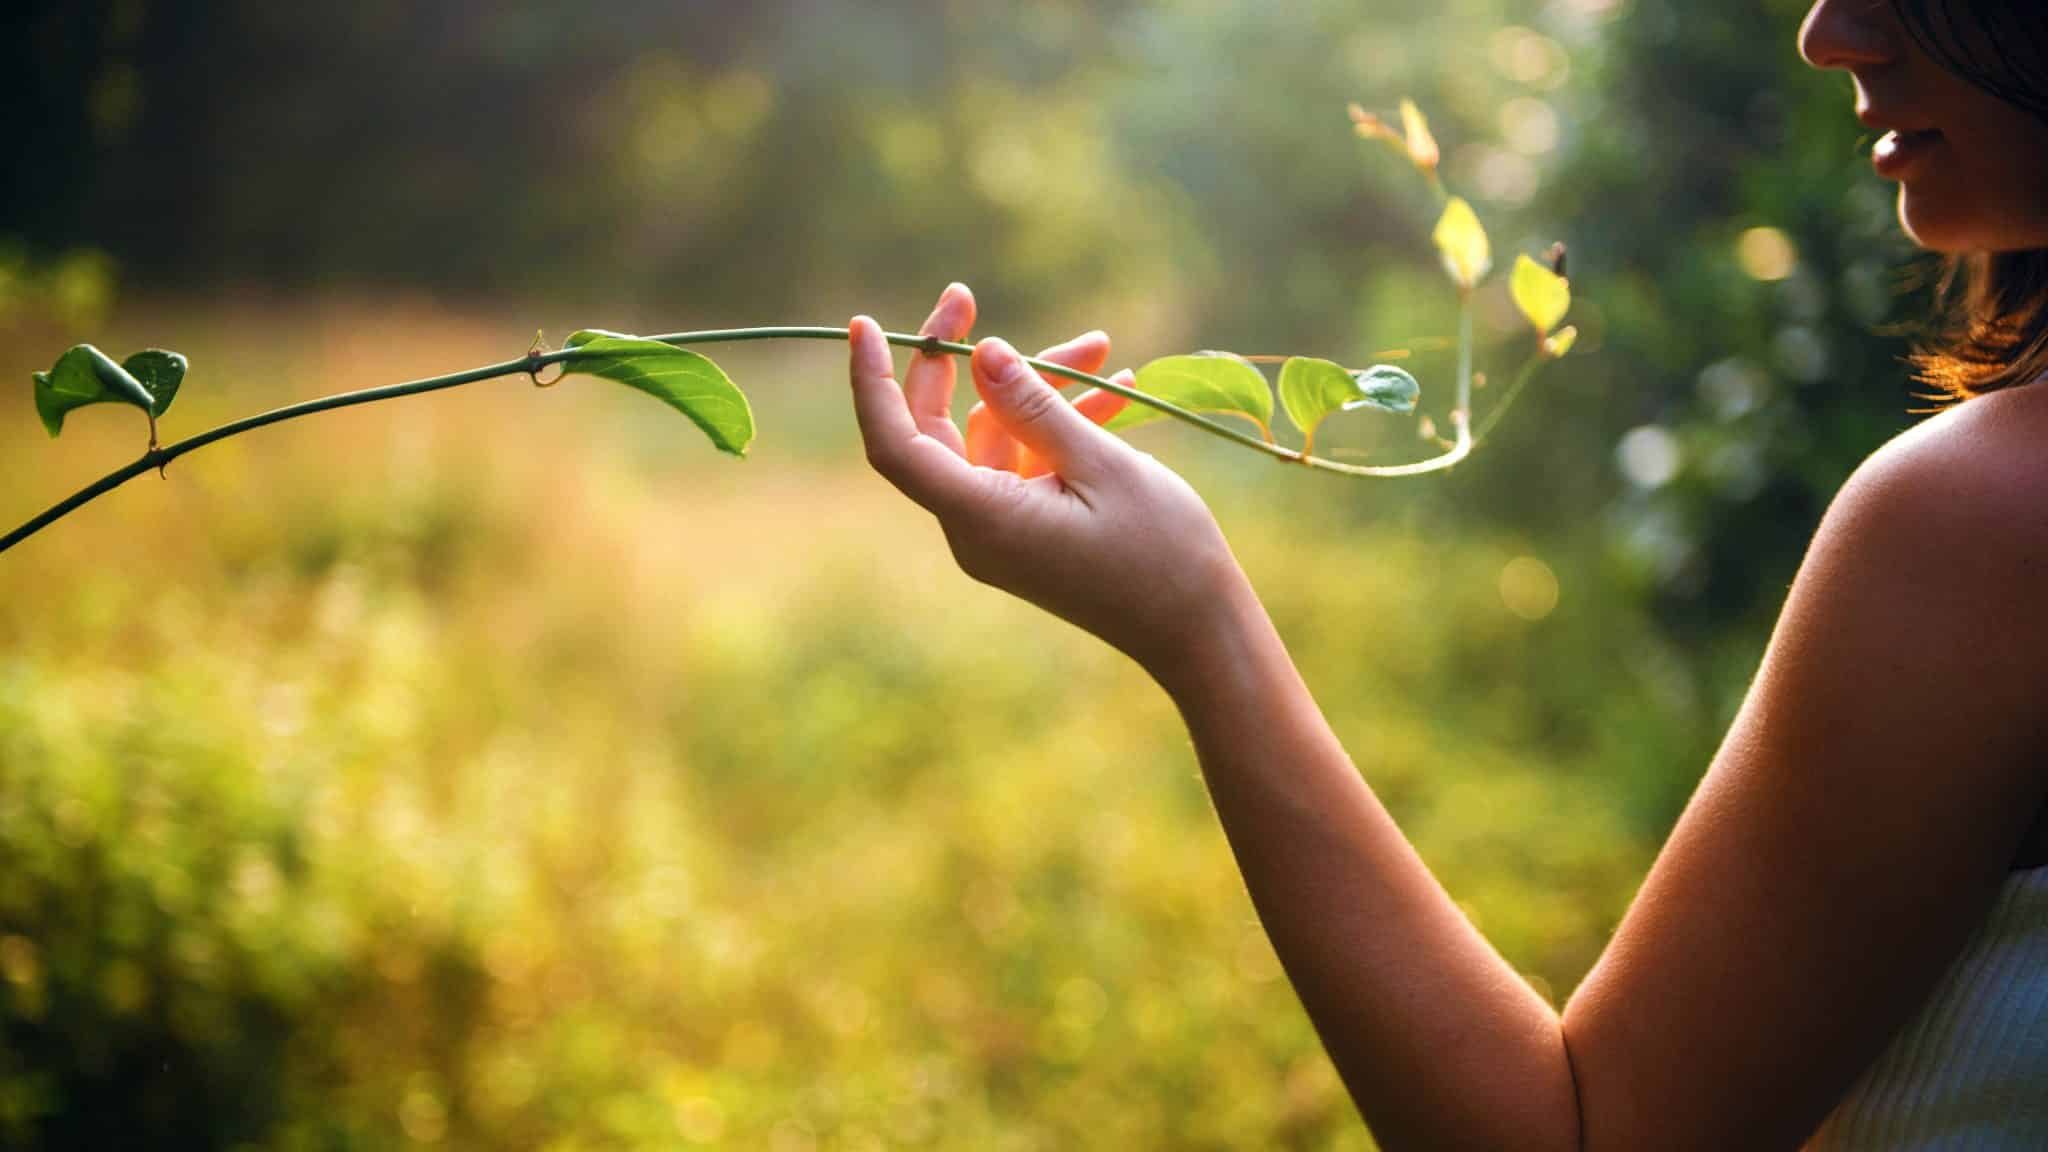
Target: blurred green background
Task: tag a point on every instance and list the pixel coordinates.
(504, 769)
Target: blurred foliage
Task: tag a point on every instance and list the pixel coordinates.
(506, 771)
(484, 785)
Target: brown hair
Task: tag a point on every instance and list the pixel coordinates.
(1995, 331)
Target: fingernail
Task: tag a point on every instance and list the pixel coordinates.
(999, 358)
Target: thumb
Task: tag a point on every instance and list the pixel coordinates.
(1044, 422)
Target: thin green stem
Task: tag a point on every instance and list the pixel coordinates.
(160, 457)
(1507, 399)
(927, 344)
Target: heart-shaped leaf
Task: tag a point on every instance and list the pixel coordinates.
(161, 373)
(1462, 242)
(684, 380)
(85, 375)
(1203, 382)
(1542, 295)
(1311, 389)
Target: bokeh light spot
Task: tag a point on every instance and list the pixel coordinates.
(1529, 125)
(423, 1116)
(1529, 588)
(1767, 254)
(1649, 456)
(1527, 56)
(700, 1120)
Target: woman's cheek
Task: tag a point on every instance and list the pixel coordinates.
(1991, 193)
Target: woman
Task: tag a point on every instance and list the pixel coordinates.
(1845, 941)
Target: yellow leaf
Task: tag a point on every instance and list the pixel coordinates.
(1462, 242)
(1422, 147)
(1542, 295)
(1558, 345)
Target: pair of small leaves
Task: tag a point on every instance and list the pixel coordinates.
(1544, 297)
(1460, 239)
(85, 375)
(684, 380)
(1313, 389)
(1310, 390)
(1413, 140)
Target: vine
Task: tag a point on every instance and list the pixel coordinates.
(1189, 388)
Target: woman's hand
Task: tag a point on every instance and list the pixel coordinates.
(1038, 500)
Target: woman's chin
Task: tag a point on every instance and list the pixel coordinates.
(1948, 224)
(1935, 226)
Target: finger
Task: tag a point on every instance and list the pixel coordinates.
(1087, 352)
(920, 467)
(1098, 405)
(1042, 420)
(987, 441)
(1102, 405)
(928, 385)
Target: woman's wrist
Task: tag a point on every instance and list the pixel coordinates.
(1213, 655)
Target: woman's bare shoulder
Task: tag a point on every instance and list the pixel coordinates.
(1972, 478)
(1934, 554)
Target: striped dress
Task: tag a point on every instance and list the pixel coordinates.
(1970, 1072)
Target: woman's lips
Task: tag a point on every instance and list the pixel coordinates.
(1897, 152)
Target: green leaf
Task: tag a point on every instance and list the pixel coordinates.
(684, 380)
(1386, 388)
(1542, 295)
(1311, 389)
(1462, 242)
(85, 375)
(1203, 382)
(160, 372)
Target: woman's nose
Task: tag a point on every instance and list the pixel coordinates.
(1847, 33)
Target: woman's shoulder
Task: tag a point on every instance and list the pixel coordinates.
(1936, 549)
(1972, 478)
(1925, 585)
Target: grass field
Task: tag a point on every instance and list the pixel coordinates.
(505, 769)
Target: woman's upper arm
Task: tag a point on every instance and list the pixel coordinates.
(1855, 824)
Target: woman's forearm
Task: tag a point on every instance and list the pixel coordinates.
(1439, 1040)
(1441, 1043)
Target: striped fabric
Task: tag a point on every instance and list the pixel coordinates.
(1971, 1071)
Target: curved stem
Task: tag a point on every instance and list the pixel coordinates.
(1507, 399)
(1462, 441)
(159, 458)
